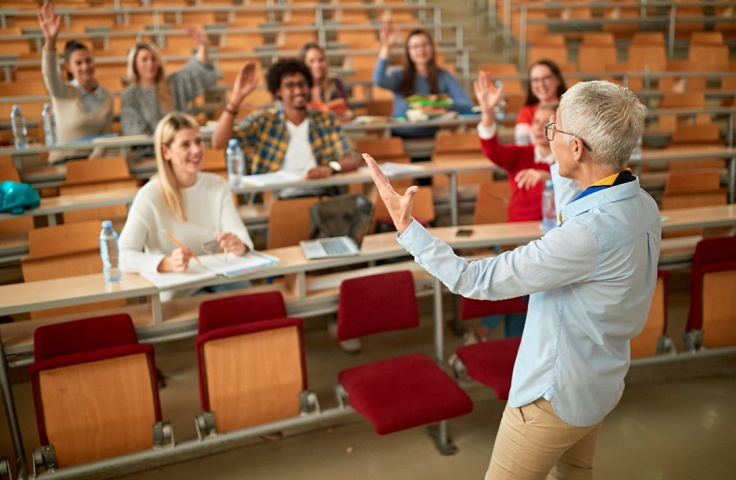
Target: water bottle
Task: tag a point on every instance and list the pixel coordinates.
(499, 111)
(235, 163)
(636, 154)
(49, 126)
(110, 253)
(549, 212)
(18, 123)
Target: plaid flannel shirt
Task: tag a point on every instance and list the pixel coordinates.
(265, 130)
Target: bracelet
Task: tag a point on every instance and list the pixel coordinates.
(234, 112)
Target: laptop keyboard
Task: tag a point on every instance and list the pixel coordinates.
(334, 246)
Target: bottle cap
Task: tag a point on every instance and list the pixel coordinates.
(233, 142)
(107, 224)
(16, 108)
(47, 106)
(549, 184)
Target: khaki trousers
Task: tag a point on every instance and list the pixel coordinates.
(533, 443)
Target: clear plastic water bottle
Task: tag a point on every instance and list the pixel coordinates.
(18, 123)
(49, 126)
(549, 212)
(235, 163)
(636, 154)
(499, 111)
(110, 253)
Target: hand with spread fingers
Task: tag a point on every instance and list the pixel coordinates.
(398, 206)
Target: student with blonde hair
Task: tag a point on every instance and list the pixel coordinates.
(193, 206)
(152, 93)
(328, 91)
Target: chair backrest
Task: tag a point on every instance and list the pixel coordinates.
(470, 308)
(375, 304)
(648, 38)
(711, 255)
(594, 57)
(673, 100)
(679, 83)
(645, 344)
(456, 143)
(288, 221)
(492, 203)
(689, 136)
(94, 388)
(252, 367)
(388, 149)
(65, 251)
(93, 176)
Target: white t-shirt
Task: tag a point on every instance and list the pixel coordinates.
(299, 157)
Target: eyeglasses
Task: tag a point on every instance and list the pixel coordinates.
(292, 85)
(544, 79)
(549, 133)
(419, 46)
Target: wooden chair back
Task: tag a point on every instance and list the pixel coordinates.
(456, 143)
(65, 251)
(689, 136)
(594, 57)
(692, 188)
(719, 303)
(677, 101)
(97, 418)
(682, 84)
(492, 203)
(288, 221)
(96, 175)
(239, 369)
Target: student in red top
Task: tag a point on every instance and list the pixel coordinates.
(545, 85)
(528, 165)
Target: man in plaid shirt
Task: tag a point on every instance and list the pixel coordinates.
(290, 137)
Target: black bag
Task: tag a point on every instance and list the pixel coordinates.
(342, 215)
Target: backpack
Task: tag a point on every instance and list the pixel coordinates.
(348, 214)
(16, 197)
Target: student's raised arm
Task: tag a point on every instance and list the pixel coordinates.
(245, 83)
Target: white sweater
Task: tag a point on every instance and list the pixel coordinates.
(210, 211)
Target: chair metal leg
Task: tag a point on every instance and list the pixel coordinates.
(441, 439)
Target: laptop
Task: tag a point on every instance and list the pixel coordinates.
(344, 246)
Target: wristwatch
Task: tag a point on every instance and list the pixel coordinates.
(335, 166)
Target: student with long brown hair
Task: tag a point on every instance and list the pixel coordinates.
(152, 93)
(193, 206)
(545, 85)
(419, 75)
(82, 107)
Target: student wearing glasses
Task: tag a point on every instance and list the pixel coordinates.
(545, 85)
(291, 136)
(590, 281)
(419, 75)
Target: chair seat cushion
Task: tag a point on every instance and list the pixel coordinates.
(403, 393)
(491, 363)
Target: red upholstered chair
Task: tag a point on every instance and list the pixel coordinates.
(711, 322)
(252, 368)
(95, 391)
(490, 363)
(403, 392)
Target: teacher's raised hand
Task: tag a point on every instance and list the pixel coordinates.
(398, 206)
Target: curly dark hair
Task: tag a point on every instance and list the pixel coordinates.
(287, 66)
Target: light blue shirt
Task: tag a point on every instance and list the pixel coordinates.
(591, 282)
(91, 100)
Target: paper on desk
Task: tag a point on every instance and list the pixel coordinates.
(115, 139)
(272, 178)
(390, 168)
(227, 265)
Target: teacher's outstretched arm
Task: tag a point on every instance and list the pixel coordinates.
(399, 206)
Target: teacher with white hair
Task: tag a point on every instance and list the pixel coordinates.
(590, 281)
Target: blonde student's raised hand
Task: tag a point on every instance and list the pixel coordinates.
(398, 206)
(488, 96)
(198, 35)
(245, 82)
(50, 24)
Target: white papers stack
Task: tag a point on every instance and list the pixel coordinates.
(391, 169)
(272, 178)
(226, 265)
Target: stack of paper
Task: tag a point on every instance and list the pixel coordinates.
(391, 169)
(272, 178)
(227, 265)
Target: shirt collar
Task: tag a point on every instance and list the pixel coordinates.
(84, 91)
(539, 158)
(612, 194)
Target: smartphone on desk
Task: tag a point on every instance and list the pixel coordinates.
(464, 232)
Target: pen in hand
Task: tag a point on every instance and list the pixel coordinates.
(181, 245)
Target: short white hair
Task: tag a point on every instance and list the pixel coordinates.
(607, 117)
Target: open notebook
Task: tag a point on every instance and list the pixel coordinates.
(212, 266)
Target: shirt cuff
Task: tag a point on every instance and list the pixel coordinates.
(414, 238)
(486, 133)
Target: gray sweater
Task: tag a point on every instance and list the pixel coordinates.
(141, 110)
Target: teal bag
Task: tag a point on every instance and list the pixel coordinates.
(16, 197)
